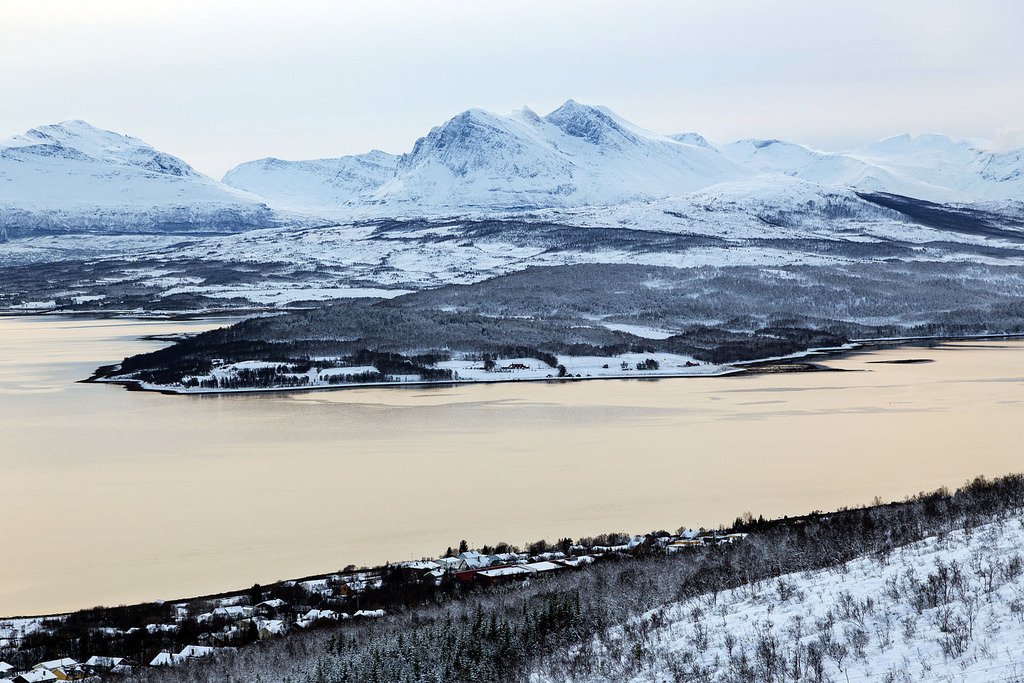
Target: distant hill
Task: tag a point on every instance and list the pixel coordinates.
(72, 176)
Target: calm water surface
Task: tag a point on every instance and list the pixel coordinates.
(111, 496)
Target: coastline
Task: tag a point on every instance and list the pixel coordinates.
(352, 570)
(733, 369)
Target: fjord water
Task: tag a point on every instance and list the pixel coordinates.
(112, 496)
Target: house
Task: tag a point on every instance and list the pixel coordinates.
(453, 564)
(123, 669)
(269, 628)
(542, 567)
(466, 577)
(6, 668)
(504, 558)
(314, 615)
(421, 565)
(515, 366)
(555, 555)
(36, 676)
(166, 658)
(63, 669)
(196, 651)
(269, 607)
(102, 664)
(370, 613)
(233, 612)
(579, 561)
(683, 544)
(53, 664)
(474, 560)
(490, 577)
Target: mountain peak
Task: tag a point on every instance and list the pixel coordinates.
(76, 138)
(72, 175)
(922, 142)
(695, 139)
(590, 123)
(76, 133)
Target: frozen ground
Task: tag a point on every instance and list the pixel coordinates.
(948, 608)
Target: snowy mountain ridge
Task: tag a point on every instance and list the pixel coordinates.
(73, 176)
(930, 166)
(582, 155)
(576, 155)
(316, 184)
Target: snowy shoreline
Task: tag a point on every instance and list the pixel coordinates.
(138, 385)
(700, 370)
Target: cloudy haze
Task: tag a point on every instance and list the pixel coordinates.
(223, 82)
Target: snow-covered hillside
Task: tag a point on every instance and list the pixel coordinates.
(321, 184)
(966, 170)
(583, 155)
(944, 609)
(72, 176)
(576, 155)
(932, 167)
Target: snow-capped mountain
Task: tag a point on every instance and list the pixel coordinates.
(581, 155)
(931, 167)
(575, 156)
(316, 184)
(72, 176)
(695, 139)
(828, 168)
(966, 169)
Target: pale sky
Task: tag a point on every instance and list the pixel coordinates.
(221, 82)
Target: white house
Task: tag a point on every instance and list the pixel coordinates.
(369, 613)
(474, 560)
(267, 628)
(452, 564)
(233, 612)
(196, 651)
(58, 668)
(315, 615)
(270, 606)
(96, 663)
(167, 659)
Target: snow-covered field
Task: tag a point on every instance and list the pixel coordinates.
(948, 608)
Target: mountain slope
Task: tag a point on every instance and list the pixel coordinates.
(941, 609)
(965, 169)
(72, 176)
(319, 183)
(580, 155)
(930, 167)
(577, 155)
